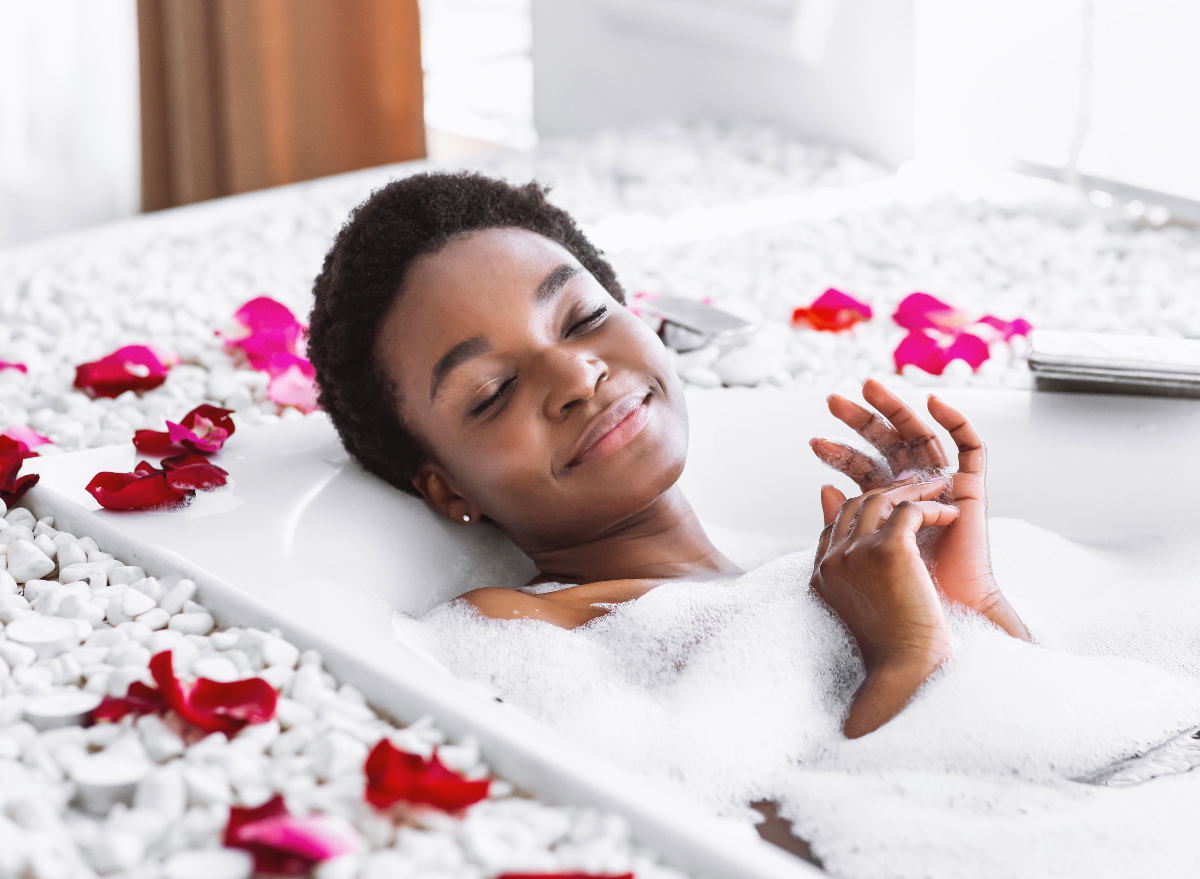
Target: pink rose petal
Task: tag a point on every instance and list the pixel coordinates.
(832, 311)
(26, 437)
(19, 367)
(920, 311)
(294, 382)
(1006, 329)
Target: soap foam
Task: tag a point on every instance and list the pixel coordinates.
(735, 691)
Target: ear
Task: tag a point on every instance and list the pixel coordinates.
(441, 494)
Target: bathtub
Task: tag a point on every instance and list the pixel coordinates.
(308, 542)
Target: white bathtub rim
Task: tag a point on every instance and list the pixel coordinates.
(526, 752)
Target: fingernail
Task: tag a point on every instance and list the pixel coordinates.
(908, 474)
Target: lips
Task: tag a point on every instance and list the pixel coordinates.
(613, 428)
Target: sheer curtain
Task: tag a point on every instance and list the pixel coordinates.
(69, 150)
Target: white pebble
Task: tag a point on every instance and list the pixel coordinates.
(173, 601)
(191, 623)
(27, 562)
(164, 791)
(126, 574)
(162, 743)
(155, 618)
(215, 668)
(61, 708)
(48, 636)
(134, 603)
(20, 516)
(217, 863)
(8, 586)
(115, 851)
(105, 779)
(46, 545)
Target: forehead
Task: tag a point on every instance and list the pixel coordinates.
(483, 264)
(475, 285)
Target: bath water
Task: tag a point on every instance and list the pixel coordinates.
(733, 692)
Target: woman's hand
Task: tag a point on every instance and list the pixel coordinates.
(961, 556)
(869, 571)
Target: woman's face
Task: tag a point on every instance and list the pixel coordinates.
(547, 406)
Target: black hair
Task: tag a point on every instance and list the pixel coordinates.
(363, 274)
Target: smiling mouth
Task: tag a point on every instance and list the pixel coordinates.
(613, 429)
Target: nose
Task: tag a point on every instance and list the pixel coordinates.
(572, 377)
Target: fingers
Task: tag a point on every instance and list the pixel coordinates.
(867, 472)
(912, 516)
(878, 507)
(831, 502)
(872, 428)
(972, 456)
(921, 440)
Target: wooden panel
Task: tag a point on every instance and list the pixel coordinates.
(252, 93)
(156, 161)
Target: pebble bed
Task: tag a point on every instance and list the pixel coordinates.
(149, 797)
(1036, 250)
(1048, 254)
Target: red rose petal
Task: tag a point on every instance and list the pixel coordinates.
(184, 460)
(832, 311)
(394, 775)
(139, 699)
(133, 491)
(154, 442)
(196, 477)
(233, 704)
(132, 368)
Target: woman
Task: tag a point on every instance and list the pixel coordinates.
(471, 347)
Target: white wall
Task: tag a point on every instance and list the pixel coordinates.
(839, 71)
(69, 136)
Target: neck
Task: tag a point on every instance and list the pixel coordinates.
(665, 541)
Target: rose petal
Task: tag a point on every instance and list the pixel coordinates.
(132, 368)
(154, 442)
(1006, 329)
(832, 311)
(184, 460)
(394, 775)
(294, 385)
(26, 437)
(133, 491)
(920, 349)
(970, 348)
(281, 844)
(20, 486)
(920, 311)
(139, 699)
(214, 419)
(233, 704)
(270, 329)
(213, 706)
(196, 477)
(924, 351)
(19, 367)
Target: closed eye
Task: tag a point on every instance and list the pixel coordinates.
(493, 399)
(589, 321)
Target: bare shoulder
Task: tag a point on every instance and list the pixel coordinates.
(566, 608)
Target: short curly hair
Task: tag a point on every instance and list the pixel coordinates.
(363, 274)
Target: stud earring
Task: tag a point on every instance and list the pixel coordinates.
(466, 518)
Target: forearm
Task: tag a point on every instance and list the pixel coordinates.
(886, 690)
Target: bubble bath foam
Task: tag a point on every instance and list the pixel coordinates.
(734, 692)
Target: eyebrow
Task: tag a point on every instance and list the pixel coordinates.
(554, 282)
(455, 357)
(476, 345)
